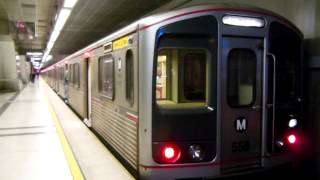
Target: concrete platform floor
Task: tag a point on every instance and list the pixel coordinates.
(33, 145)
(5, 97)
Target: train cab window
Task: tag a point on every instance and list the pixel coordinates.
(106, 76)
(129, 77)
(241, 77)
(181, 77)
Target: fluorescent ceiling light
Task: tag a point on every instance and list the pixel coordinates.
(243, 21)
(54, 36)
(62, 18)
(50, 45)
(34, 53)
(35, 59)
(45, 56)
(49, 57)
(17, 57)
(69, 3)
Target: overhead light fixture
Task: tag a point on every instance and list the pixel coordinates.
(17, 57)
(50, 45)
(44, 57)
(69, 3)
(34, 53)
(36, 59)
(30, 37)
(243, 21)
(62, 18)
(49, 57)
(54, 36)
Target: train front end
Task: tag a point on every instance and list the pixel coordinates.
(225, 87)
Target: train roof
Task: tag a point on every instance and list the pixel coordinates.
(184, 10)
(206, 7)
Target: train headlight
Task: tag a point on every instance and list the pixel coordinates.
(196, 152)
(292, 123)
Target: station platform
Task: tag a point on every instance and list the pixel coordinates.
(41, 138)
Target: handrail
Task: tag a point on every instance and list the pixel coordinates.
(273, 95)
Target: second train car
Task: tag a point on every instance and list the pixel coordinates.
(203, 91)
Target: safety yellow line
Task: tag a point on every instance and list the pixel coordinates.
(72, 162)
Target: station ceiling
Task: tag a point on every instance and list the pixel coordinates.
(30, 22)
(94, 19)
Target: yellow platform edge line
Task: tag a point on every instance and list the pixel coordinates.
(72, 162)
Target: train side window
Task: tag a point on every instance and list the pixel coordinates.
(181, 77)
(106, 76)
(241, 77)
(62, 74)
(71, 74)
(129, 77)
(76, 72)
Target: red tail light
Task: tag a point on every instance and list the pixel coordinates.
(171, 153)
(292, 139)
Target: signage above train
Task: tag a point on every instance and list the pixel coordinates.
(120, 43)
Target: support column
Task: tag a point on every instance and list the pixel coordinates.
(24, 69)
(8, 70)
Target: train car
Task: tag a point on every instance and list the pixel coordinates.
(60, 78)
(200, 92)
(77, 92)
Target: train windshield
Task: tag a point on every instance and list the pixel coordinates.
(184, 81)
(181, 78)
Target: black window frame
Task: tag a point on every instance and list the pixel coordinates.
(129, 84)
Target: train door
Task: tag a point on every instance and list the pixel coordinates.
(241, 92)
(58, 79)
(87, 91)
(67, 81)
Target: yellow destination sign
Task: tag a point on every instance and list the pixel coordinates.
(120, 43)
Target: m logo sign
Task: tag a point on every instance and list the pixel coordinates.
(241, 124)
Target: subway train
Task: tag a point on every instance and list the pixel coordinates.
(204, 91)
